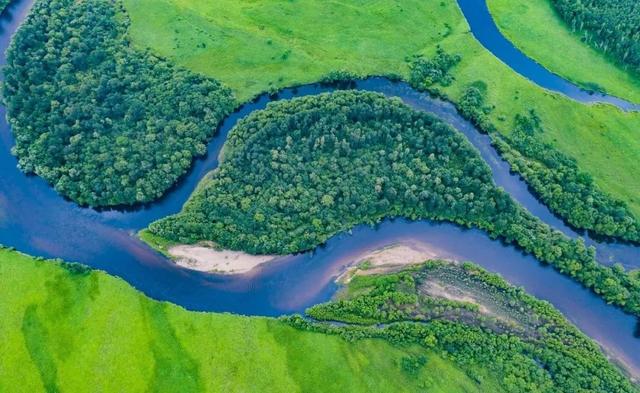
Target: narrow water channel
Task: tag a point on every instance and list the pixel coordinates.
(36, 220)
(484, 28)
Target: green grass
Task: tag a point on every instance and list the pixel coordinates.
(72, 330)
(254, 46)
(535, 28)
(158, 243)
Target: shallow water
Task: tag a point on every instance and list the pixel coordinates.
(36, 220)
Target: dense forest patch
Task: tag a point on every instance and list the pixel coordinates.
(555, 177)
(537, 335)
(127, 338)
(257, 46)
(302, 170)
(105, 124)
(612, 26)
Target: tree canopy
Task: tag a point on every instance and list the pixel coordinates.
(612, 26)
(498, 326)
(103, 123)
(555, 177)
(303, 170)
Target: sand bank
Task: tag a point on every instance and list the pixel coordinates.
(211, 260)
(389, 259)
(207, 258)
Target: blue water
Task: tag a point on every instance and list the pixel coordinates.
(486, 32)
(36, 220)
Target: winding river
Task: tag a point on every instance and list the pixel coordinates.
(36, 220)
(487, 33)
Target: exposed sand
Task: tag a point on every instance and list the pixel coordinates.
(210, 260)
(207, 258)
(388, 259)
(439, 290)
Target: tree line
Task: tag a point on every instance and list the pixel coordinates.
(551, 355)
(303, 170)
(611, 26)
(104, 123)
(551, 174)
(555, 178)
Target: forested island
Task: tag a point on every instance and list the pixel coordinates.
(103, 123)
(96, 90)
(612, 26)
(111, 101)
(437, 327)
(303, 170)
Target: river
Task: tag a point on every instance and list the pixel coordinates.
(36, 220)
(487, 33)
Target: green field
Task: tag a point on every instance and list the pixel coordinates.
(254, 46)
(536, 28)
(66, 328)
(73, 332)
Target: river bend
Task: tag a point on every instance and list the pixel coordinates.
(36, 220)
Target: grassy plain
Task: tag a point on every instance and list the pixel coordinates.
(535, 28)
(73, 331)
(254, 46)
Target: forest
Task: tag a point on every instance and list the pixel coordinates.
(103, 123)
(612, 26)
(554, 177)
(522, 338)
(303, 170)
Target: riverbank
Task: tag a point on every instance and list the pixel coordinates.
(63, 324)
(206, 258)
(389, 259)
(537, 30)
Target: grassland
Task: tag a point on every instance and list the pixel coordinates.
(535, 28)
(261, 45)
(72, 330)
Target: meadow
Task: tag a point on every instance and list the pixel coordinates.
(538, 31)
(264, 45)
(66, 328)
